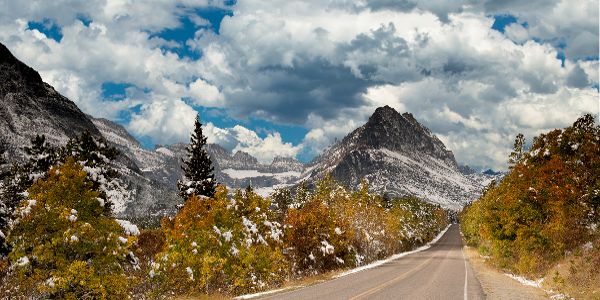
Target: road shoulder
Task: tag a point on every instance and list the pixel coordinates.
(497, 285)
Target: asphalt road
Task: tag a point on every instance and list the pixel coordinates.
(440, 272)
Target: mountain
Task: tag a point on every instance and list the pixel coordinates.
(393, 151)
(399, 157)
(29, 106)
(235, 170)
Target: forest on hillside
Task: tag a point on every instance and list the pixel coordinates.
(542, 219)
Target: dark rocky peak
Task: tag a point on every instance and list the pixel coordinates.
(466, 170)
(244, 158)
(217, 150)
(16, 76)
(28, 107)
(284, 164)
(284, 160)
(400, 133)
(491, 172)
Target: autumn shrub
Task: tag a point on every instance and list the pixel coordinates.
(220, 245)
(546, 206)
(318, 239)
(414, 222)
(368, 222)
(336, 228)
(63, 244)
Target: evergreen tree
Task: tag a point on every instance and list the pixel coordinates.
(517, 153)
(16, 179)
(3, 149)
(199, 178)
(41, 157)
(96, 156)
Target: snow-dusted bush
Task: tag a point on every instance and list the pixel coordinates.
(64, 246)
(337, 228)
(220, 245)
(547, 206)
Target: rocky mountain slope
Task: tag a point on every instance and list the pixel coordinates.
(393, 151)
(29, 106)
(399, 157)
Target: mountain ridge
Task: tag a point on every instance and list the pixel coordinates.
(396, 153)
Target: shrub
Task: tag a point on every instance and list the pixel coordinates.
(220, 245)
(63, 244)
(546, 206)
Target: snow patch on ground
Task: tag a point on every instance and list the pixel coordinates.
(525, 281)
(128, 227)
(165, 151)
(241, 174)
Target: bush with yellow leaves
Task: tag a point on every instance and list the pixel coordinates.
(63, 244)
(336, 228)
(546, 207)
(220, 245)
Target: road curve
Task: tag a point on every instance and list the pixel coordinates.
(440, 272)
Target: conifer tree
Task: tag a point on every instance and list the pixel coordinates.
(517, 153)
(3, 149)
(16, 179)
(199, 178)
(41, 156)
(96, 156)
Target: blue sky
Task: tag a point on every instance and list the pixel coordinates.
(288, 78)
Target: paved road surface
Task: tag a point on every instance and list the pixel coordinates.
(441, 272)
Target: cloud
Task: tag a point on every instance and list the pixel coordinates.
(167, 121)
(205, 94)
(239, 138)
(323, 65)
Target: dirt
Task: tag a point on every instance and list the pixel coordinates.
(496, 285)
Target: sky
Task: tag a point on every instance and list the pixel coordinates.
(288, 77)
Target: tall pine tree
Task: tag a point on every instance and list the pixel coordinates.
(199, 178)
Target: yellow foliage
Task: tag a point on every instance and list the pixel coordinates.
(547, 205)
(221, 245)
(63, 245)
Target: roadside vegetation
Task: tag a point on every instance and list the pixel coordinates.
(542, 219)
(60, 239)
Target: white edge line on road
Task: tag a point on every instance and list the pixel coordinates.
(395, 256)
(355, 270)
(250, 296)
(466, 273)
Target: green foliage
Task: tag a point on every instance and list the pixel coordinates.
(199, 178)
(517, 154)
(237, 245)
(546, 206)
(96, 155)
(63, 244)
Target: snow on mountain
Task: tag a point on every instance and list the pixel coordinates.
(399, 157)
(394, 152)
(29, 106)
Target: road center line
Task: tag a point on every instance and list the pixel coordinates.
(392, 281)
